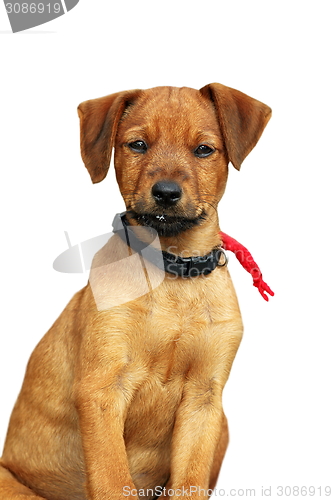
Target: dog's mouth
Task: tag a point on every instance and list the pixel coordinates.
(166, 225)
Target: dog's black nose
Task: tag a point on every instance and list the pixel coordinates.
(166, 193)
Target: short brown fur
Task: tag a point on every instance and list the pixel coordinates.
(131, 396)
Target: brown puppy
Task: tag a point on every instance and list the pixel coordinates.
(127, 397)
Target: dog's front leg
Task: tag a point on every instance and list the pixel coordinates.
(101, 411)
(195, 439)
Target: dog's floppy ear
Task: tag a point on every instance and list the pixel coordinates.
(99, 120)
(242, 119)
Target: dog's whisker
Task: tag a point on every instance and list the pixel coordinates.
(207, 203)
(206, 194)
(124, 193)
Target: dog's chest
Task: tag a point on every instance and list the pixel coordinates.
(180, 323)
(170, 331)
(176, 316)
(181, 336)
(159, 334)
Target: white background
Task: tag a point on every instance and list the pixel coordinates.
(279, 396)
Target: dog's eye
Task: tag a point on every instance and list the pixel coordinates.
(203, 150)
(138, 146)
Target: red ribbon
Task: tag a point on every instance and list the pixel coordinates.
(245, 258)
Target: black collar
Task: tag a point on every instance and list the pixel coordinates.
(188, 267)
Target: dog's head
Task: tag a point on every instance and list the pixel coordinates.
(172, 148)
